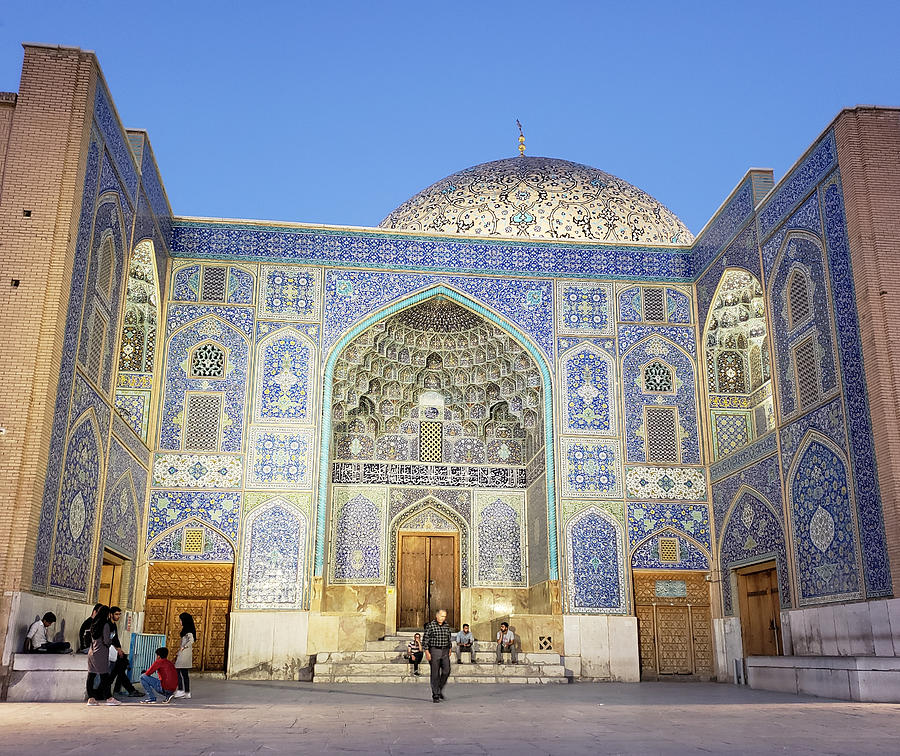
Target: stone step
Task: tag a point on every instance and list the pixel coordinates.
(332, 679)
(378, 655)
(469, 670)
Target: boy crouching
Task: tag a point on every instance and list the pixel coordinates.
(167, 683)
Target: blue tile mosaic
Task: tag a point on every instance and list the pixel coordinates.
(351, 295)
(500, 544)
(827, 420)
(591, 469)
(186, 284)
(85, 397)
(822, 525)
(685, 338)
(584, 307)
(724, 225)
(285, 368)
(635, 398)
(170, 546)
(67, 368)
(152, 185)
(220, 509)
(115, 138)
(273, 553)
(217, 240)
(233, 387)
(805, 218)
(647, 557)
(180, 315)
(742, 253)
(754, 451)
(813, 168)
(647, 518)
(764, 477)
(876, 568)
(357, 539)
(290, 292)
(279, 458)
(753, 533)
(77, 513)
(588, 380)
(678, 306)
(595, 574)
(630, 307)
(240, 286)
(130, 439)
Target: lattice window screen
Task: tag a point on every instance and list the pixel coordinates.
(105, 266)
(799, 304)
(201, 432)
(193, 541)
(654, 305)
(662, 434)
(658, 378)
(214, 280)
(807, 371)
(208, 361)
(668, 550)
(96, 341)
(431, 442)
(761, 420)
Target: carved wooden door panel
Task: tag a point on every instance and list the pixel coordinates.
(216, 634)
(412, 601)
(442, 576)
(674, 640)
(197, 609)
(760, 612)
(156, 611)
(674, 623)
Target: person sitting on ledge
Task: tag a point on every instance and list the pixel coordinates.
(465, 641)
(506, 641)
(37, 639)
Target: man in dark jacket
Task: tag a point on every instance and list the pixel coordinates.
(120, 666)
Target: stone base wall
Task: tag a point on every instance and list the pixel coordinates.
(602, 648)
(864, 628)
(269, 646)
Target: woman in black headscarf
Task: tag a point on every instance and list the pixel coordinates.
(99, 669)
(184, 661)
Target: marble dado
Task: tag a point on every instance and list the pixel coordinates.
(197, 471)
(687, 483)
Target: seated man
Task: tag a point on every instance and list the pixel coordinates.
(167, 683)
(465, 641)
(37, 637)
(506, 641)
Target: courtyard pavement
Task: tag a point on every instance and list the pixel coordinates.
(232, 717)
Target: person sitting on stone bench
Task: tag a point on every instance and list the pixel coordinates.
(506, 641)
(465, 641)
(37, 639)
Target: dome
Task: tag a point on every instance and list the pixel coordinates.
(539, 198)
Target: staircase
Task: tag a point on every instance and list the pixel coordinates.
(383, 662)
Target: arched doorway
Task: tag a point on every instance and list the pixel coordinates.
(436, 400)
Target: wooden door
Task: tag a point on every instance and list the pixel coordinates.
(760, 610)
(201, 590)
(674, 624)
(427, 579)
(412, 601)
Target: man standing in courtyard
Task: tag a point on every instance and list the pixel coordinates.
(437, 650)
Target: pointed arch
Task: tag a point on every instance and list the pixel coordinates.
(823, 522)
(166, 546)
(273, 556)
(405, 302)
(285, 370)
(415, 509)
(595, 563)
(587, 400)
(695, 557)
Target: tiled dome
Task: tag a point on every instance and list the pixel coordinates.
(539, 198)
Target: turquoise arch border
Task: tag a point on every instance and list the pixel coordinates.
(325, 448)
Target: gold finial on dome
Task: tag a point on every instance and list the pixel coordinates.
(521, 138)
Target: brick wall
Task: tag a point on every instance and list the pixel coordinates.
(43, 173)
(868, 142)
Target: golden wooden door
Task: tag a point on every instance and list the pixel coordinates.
(760, 610)
(674, 624)
(201, 590)
(427, 579)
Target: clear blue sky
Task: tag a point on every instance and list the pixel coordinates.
(336, 112)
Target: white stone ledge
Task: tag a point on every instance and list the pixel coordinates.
(851, 678)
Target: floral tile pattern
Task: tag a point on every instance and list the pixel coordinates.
(500, 544)
(665, 483)
(595, 569)
(357, 535)
(279, 458)
(591, 469)
(197, 471)
(584, 307)
(290, 292)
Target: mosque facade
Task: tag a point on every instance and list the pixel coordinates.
(529, 394)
